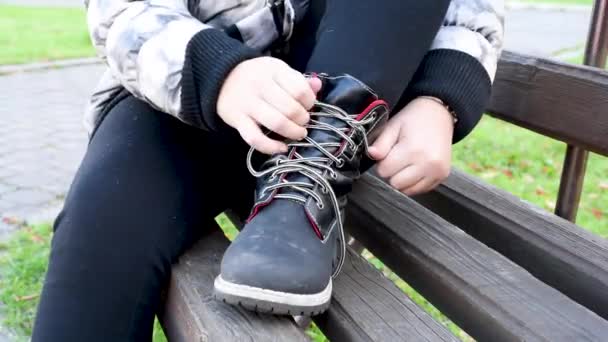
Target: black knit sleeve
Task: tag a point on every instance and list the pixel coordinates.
(210, 56)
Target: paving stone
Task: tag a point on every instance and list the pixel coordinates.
(41, 141)
(27, 197)
(6, 206)
(6, 188)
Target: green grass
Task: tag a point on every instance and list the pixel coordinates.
(29, 34)
(23, 263)
(529, 166)
(24, 260)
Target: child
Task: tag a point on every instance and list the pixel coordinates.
(192, 85)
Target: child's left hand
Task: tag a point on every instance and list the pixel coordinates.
(415, 148)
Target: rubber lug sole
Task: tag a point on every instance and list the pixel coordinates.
(272, 302)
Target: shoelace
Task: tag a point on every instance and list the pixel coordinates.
(314, 167)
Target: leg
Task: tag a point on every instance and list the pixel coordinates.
(294, 243)
(148, 187)
(379, 42)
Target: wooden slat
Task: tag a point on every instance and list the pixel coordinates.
(366, 306)
(489, 296)
(558, 252)
(563, 101)
(192, 314)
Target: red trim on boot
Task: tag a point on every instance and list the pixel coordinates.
(361, 116)
(257, 207)
(314, 225)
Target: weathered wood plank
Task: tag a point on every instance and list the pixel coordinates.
(489, 296)
(563, 101)
(556, 251)
(192, 314)
(366, 306)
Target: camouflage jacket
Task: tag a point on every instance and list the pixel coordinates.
(143, 43)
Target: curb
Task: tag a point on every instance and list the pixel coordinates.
(521, 5)
(19, 68)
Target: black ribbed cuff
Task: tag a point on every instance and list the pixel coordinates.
(459, 80)
(210, 57)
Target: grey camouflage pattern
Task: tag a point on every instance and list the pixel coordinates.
(475, 27)
(144, 42)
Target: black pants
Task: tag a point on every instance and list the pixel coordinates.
(149, 185)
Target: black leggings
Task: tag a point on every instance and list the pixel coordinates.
(149, 186)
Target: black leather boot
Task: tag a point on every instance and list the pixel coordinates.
(293, 243)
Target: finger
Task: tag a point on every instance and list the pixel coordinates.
(254, 137)
(396, 160)
(406, 178)
(435, 185)
(267, 116)
(422, 186)
(284, 103)
(315, 84)
(385, 142)
(296, 85)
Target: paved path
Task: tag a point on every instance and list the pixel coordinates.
(41, 137)
(543, 33)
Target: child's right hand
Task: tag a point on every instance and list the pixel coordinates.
(267, 92)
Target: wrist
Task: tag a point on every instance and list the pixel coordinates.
(445, 106)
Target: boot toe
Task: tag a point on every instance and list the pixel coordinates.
(278, 258)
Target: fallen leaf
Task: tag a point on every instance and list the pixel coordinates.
(604, 185)
(597, 213)
(550, 204)
(540, 191)
(594, 196)
(524, 164)
(28, 297)
(10, 220)
(36, 238)
(507, 173)
(528, 178)
(488, 174)
(475, 167)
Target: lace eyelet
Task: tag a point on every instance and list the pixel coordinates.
(320, 205)
(324, 190)
(340, 163)
(333, 175)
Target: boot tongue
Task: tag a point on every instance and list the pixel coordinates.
(344, 92)
(347, 93)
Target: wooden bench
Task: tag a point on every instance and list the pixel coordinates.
(500, 268)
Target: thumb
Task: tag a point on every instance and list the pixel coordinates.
(315, 84)
(385, 142)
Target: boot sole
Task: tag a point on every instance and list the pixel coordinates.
(272, 302)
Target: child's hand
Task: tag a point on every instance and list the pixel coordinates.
(267, 92)
(414, 149)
